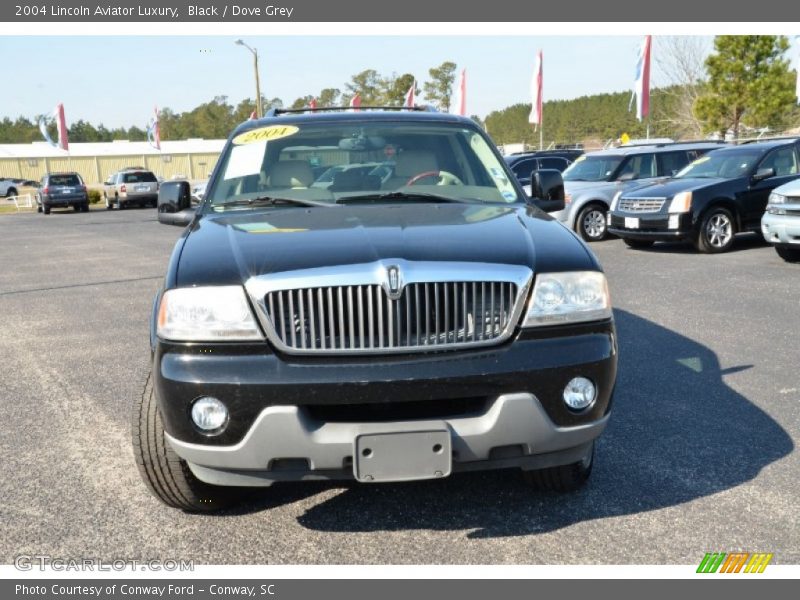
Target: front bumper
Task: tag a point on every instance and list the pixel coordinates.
(651, 226)
(286, 444)
(299, 417)
(781, 230)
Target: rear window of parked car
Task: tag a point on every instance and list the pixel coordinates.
(139, 177)
(64, 180)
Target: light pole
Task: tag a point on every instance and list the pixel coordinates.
(259, 112)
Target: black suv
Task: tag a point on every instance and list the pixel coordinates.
(378, 329)
(522, 164)
(62, 190)
(717, 196)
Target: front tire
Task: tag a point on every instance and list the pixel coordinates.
(638, 244)
(564, 478)
(717, 231)
(788, 254)
(165, 474)
(109, 206)
(591, 223)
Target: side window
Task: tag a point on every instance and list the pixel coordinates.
(554, 163)
(640, 166)
(672, 162)
(524, 168)
(782, 160)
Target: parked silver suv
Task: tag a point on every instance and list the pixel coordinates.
(130, 186)
(781, 221)
(591, 182)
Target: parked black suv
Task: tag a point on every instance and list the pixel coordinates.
(382, 329)
(62, 190)
(717, 196)
(522, 164)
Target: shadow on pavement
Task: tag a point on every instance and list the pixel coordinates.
(677, 433)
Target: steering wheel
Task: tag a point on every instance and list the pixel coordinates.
(445, 178)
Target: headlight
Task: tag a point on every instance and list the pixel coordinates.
(569, 297)
(776, 199)
(218, 313)
(615, 200)
(681, 203)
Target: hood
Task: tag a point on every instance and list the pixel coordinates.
(670, 187)
(225, 249)
(576, 187)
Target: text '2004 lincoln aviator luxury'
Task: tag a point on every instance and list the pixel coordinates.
(411, 316)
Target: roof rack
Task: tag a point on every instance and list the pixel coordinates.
(775, 138)
(274, 112)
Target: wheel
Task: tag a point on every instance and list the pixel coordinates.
(565, 478)
(165, 474)
(77, 207)
(591, 223)
(638, 244)
(117, 202)
(45, 209)
(788, 254)
(11, 192)
(716, 231)
(85, 207)
(109, 206)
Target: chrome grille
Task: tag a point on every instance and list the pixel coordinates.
(364, 316)
(641, 205)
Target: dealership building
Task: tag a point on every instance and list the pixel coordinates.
(95, 161)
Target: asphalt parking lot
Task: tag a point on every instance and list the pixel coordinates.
(699, 455)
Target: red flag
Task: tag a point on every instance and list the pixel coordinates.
(460, 105)
(411, 99)
(355, 101)
(61, 125)
(535, 118)
(642, 83)
(313, 103)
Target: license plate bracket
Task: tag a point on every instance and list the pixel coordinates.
(402, 456)
(631, 222)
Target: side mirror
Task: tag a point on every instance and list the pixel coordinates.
(627, 177)
(175, 203)
(547, 190)
(764, 174)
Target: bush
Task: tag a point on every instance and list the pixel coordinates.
(95, 196)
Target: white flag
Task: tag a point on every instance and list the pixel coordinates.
(535, 118)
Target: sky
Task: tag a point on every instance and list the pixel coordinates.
(117, 80)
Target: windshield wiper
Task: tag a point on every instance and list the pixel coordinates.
(423, 196)
(268, 201)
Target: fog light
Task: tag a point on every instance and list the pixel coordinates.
(209, 414)
(579, 393)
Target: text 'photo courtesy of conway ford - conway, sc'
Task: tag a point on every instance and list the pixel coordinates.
(413, 315)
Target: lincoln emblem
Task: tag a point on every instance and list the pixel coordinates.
(393, 274)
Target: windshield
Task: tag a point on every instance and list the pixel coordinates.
(727, 165)
(592, 168)
(323, 162)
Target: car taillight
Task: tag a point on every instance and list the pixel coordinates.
(122, 188)
(46, 190)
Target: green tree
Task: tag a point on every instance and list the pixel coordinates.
(368, 84)
(439, 90)
(302, 102)
(396, 88)
(329, 97)
(749, 83)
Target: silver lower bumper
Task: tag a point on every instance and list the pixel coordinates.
(513, 432)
